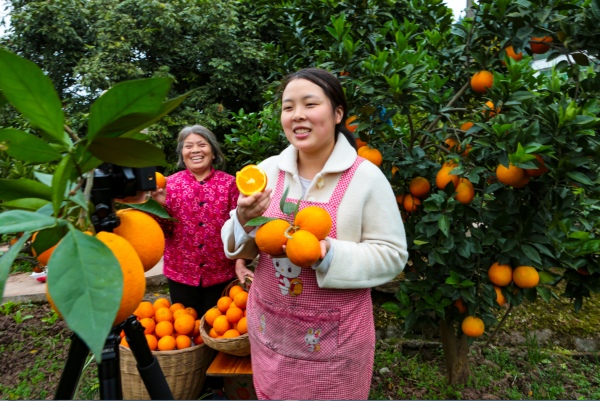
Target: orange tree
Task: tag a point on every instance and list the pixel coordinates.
(84, 278)
(517, 187)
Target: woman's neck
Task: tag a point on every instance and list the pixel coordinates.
(310, 164)
(201, 175)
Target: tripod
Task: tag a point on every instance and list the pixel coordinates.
(109, 371)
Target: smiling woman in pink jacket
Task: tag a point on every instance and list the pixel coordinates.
(317, 340)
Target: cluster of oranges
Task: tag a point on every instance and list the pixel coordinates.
(518, 177)
(228, 318)
(167, 326)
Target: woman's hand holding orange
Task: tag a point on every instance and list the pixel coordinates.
(250, 207)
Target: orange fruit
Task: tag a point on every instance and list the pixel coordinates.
(192, 312)
(134, 280)
(176, 306)
(360, 143)
(240, 299)
(466, 126)
(242, 326)
(167, 343)
(371, 154)
(349, 126)
(224, 303)
(163, 315)
(523, 182)
(473, 326)
(395, 169)
(536, 172)
(510, 52)
(184, 324)
(251, 179)
(179, 312)
(212, 333)
(152, 342)
(270, 237)
(221, 325)
(148, 324)
(211, 315)
(143, 233)
(164, 328)
(124, 342)
(411, 203)
(443, 176)
(234, 290)
(451, 143)
(303, 249)
(400, 199)
(161, 180)
(419, 187)
(315, 220)
(500, 275)
(464, 191)
(234, 314)
(481, 81)
(511, 175)
(160, 302)
(490, 111)
(182, 342)
(196, 331)
(540, 48)
(144, 309)
(44, 257)
(526, 277)
(460, 305)
(231, 333)
(197, 340)
(500, 298)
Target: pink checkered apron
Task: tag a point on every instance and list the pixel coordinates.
(308, 342)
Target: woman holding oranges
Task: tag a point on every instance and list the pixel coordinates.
(317, 341)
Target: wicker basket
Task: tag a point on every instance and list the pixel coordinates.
(239, 346)
(184, 370)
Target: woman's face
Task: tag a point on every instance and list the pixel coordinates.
(307, 117)
(197, 154)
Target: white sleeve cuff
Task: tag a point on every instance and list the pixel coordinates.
(323, 266)
(240, 235)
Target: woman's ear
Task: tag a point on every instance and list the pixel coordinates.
(339, 114)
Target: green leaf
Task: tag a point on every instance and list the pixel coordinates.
(444, 225)
(32, 93)
(288, 207)
(153, 207)
(60, 182)
(581, 59)
(14, 221)
(531, 253)
(546, 278)
(26, 147)
(86, 284)
(129, 98)
(23, 188)
(544, 292)
(47, 238)
(7, 259)
(580, 177)
(165, 109)
(31, 204)
(259, 221)
(127, 152)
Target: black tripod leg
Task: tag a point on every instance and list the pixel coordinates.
(109, 371)
(147, 364)
(78, 352)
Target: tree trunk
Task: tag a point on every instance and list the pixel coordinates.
(456, 353)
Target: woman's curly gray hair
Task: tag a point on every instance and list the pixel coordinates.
(205, 133)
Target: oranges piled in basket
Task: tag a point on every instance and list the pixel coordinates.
(228, 318)
(167, 326)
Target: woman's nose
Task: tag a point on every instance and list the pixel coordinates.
(298, 114)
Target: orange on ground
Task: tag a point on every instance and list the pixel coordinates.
(490, 110)
(536, 172)
(240, 299)
(349, 123)
(371, 154)
(481, 81)
(179, 312)
(444, 176)
(500, 298)
(540, 48)
(182, 342)
(176, 306)
(221, 325)
(161, 180)
(164, 328)
(224, 303)
(148, 324)
(167, 343)
(411, 203)
(460, 305)
(234, 314)
(242, 326)
(473, 326)
(234, 290)
(419, 187)
(526, 277)
(144, 309)
(212, 333)
(184, 324)
(251, 179)
(510, 52)
(512, 175)
(197, 340)
(466, 126)
(464, 191)
(211, 315)
(500, 275)
(231, 333)
(192, 312)
(315, 220)
(134, 280)
(163, 314)
(143, 233)
(270, 237)
(160, 302)
(303, 249)
(152, 342)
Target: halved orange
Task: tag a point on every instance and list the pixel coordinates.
(251, 179)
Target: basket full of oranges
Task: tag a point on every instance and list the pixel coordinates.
(173, 336)
(224, 327)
